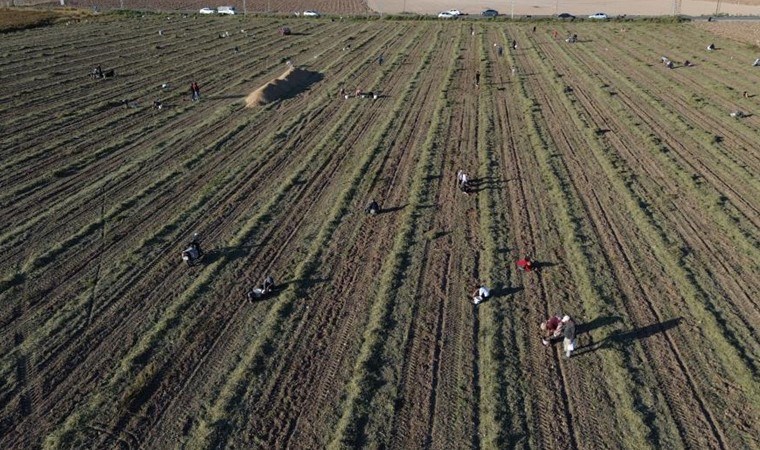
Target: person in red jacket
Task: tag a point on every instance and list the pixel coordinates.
(525, 264)
(551, 328)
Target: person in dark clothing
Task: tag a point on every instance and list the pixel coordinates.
(500, 50)
(514, 44)
(268, 284)
(568, 330)
(477, 79)
(372, 208)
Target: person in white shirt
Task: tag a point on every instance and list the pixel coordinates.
(480, 294)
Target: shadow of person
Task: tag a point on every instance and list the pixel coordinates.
(502, 291)
(621, 338)
(390, 210)
(540, 265)
(599, 322)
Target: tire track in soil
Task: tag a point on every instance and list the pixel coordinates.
(695, 160)
(602, 222)
(555, 419)
(424, 365)
(160, 209)
(689, 221)
(73, 182)
(325, 379)
(368, 121)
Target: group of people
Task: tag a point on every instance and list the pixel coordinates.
(557, 327)
(553, 328)
(359, 93)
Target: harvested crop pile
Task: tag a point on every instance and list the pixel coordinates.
(293, 81)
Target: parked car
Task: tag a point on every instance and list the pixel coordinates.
(446, 15)
(455, 12)
(229, 10)
(601, 16)
(310, 13)
(490, 13)
(207, 11)
(564, 16)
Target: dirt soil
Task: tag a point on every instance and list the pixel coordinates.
(629, 184)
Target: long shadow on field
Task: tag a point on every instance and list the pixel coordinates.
(599, 322)
(541, 265)
(392, 209)
(622, 338)
(305, 283)
(503, 291)
(481, 184)
(231, 253)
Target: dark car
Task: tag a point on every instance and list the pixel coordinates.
(566, 16)
(490, 13)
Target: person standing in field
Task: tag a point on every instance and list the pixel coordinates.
(568, 330)
(500, 50)
(514, 44)
(477, 79)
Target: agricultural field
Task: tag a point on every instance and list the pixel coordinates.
(628, 182)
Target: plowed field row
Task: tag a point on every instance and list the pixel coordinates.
(627, 182)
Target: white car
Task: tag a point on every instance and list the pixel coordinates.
(454, 12)
(310, 13)
(446, 15)
(230, 10)
(207, 11)
(601, 16)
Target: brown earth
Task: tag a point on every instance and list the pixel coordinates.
(628, 183)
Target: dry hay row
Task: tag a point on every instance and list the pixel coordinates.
(87, 128)
(502, 399)
(332, 328)
(366, 414)
(208, 165)
(550, 400)
(677, 198)
(708, 113)
(617, 241)
(163, 155)
(691, 235)
(229, 341)
(431, 339)
(589, 418)
(716, 253)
